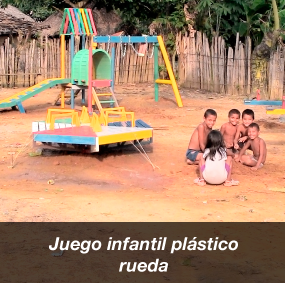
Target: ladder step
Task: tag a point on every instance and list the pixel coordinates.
(104, 94)
(107, 101)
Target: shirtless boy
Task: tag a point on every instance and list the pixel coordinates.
(229, 129)
(198, 139)
(241, 134)
(257, 146)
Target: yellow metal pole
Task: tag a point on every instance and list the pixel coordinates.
(168, 82)
(62, 66)
(170, 71)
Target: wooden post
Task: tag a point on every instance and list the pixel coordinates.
(248, 58)
(230, 70)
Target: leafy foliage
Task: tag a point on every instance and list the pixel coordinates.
(220, 17)
(214, 17)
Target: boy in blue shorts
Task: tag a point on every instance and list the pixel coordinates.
(198, 139)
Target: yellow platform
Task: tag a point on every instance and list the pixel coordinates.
(276, 112)
(113, 134)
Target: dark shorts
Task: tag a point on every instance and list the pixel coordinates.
(191, 154)
(234, 151)
(240, 144)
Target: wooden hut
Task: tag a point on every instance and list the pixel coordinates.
(13, 23)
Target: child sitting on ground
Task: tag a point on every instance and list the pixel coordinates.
(215, 166)
(198, 139)
(257, 146)
(229, 129)
(241, 134)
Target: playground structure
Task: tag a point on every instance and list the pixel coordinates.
(270, 103)
(103, 122)
(79, 22)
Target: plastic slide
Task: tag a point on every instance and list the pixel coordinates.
(18, 98)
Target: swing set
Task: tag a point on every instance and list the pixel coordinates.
(157, 42)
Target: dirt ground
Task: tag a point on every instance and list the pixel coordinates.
(121, 185)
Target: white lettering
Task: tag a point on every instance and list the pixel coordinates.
(55, 245)
(201, 245)
(85, 250)
(75, 245)
(129, 267)
(98, 243)
(163, 267)
(142, 266)
(220, 245)
(230, 245)
(174, 248)
(122, 265)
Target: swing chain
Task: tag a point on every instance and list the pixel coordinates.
(109, 41)
(132, 45)
(152, 51)
(123, 50)
(147, 53)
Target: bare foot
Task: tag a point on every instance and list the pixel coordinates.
(229, 183)
(189, 162)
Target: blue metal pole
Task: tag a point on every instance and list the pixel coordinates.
(113, 68)
(125, 39)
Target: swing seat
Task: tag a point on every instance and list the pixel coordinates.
(101, 83)
(142, 49)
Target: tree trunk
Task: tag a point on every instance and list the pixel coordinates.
(80, 4)
(261, 56)
(259, 65)
(190, 17)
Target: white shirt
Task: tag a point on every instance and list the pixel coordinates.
(215, 171)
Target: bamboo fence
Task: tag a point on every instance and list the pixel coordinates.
(36, 60)
(202, 65)
(216, 68)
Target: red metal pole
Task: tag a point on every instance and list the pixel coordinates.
(90, 63)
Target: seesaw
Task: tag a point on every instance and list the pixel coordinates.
(278, 111)
(269, 110)
(263, 102)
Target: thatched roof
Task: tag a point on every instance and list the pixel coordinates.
(12, 20)
(54, 23)
(106, 22)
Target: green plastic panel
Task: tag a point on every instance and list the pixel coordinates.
(101, 66)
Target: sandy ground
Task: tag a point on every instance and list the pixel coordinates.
(120, 185)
